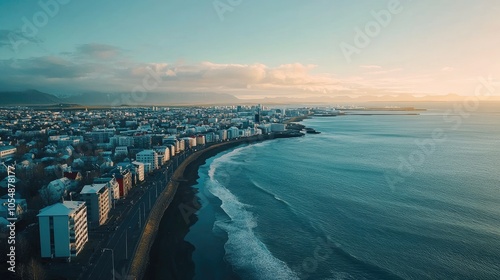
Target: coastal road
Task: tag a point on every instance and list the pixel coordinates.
(124, 235)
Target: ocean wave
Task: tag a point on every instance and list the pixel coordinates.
(224, 159)
(368, 268)
(244, 250)
(275, 196)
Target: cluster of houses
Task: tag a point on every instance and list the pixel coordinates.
(111, 151)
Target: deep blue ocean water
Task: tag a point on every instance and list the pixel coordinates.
(371, 197)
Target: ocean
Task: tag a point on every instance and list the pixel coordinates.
(371, 197)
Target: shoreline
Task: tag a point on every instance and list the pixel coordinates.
(180, 190)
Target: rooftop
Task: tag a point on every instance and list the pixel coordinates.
(5, 148)
(65, 208)
(95, 188)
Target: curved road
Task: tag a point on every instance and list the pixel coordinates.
(122, 235)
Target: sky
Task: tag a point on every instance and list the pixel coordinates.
(250, 49)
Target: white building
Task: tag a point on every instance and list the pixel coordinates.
(233, 132)
(148, 156)
(122, 150)
(210, 137)
(222, 134)
(265, 128)
(173, 144)
(126, 141)
(139, 170)
(182, 145)
(65, 141)
(121, 141)
(7, 151)
(163, 154)
(113, 188)
(63, 229)
(55, 190)
(278, 127)
(171, 147)
(200, 140)
(97, 201)
(189, 142)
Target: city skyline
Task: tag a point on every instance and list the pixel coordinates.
(250, 49)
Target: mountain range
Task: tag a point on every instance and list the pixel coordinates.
(35, 97)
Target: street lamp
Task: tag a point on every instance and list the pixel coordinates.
(143, 203)
(112, 259)
(149, 198)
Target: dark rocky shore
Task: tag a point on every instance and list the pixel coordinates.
(169, 228)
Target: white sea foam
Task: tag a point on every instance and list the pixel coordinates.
(249, 255)
(226, 158)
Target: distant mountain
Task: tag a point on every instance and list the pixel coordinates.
(28, 97)
(34, 97)
(128, 99)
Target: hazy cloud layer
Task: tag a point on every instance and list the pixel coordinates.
(13, 39)
(98, 51)
(96, 67)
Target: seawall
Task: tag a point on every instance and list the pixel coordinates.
(186, 170)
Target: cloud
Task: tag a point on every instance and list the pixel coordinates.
(98, 51)
(50, 67)
(13, 39)
(381, 72)
(447, 69)
(370, 66)
(92, 67)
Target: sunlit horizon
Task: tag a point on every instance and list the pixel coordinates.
(253, 49)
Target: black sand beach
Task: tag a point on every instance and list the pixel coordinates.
(176, 262)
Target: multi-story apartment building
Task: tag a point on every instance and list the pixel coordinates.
(148, 156)
(121, 150)
(63, 229)
(163, 154)
(124, 179)
(139, 170)
(96, 198)
(112, 186)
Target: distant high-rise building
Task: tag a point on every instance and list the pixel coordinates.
(257, 115)
(257, 118)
